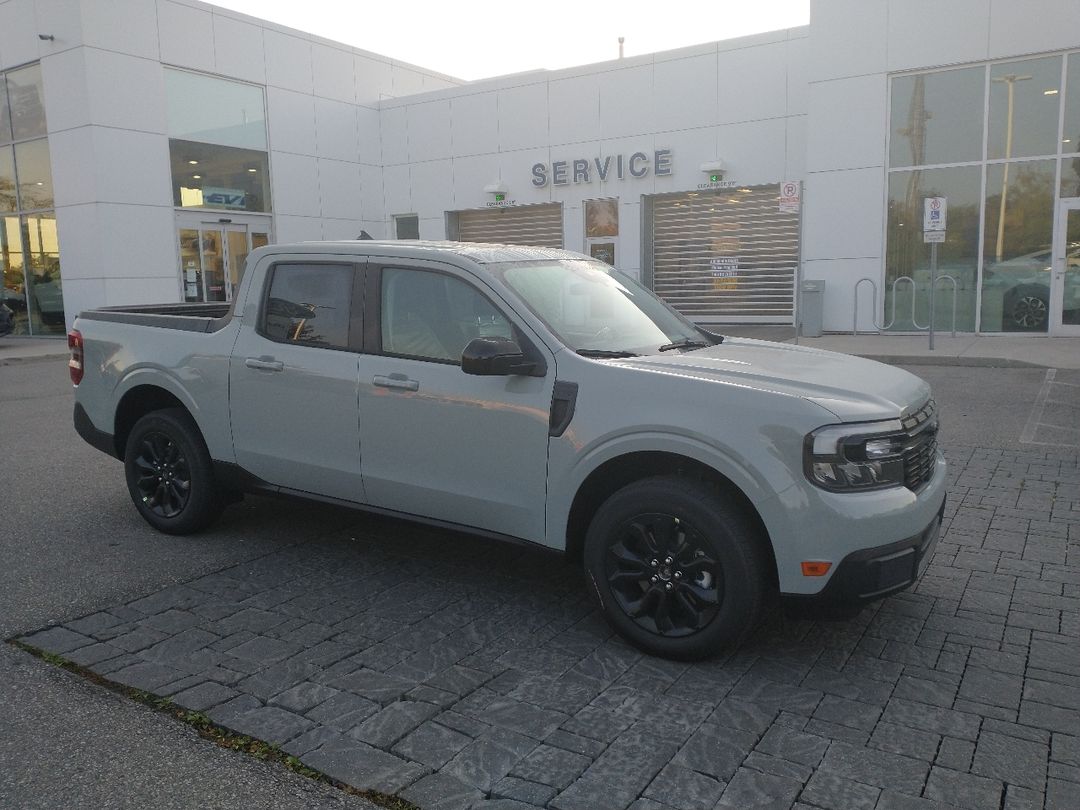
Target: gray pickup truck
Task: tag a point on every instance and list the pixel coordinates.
(534, 395)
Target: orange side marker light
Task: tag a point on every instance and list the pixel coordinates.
(811, 568)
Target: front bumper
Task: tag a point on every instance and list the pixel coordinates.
(874, 573)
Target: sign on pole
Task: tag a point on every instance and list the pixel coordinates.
(934, 210)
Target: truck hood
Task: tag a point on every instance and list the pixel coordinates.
(852, 388)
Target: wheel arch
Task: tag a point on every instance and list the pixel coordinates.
(618, 472)
(135, 404)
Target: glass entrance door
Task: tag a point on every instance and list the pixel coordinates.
(212, 257)
(1065, 272)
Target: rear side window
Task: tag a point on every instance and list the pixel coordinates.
(309, 304)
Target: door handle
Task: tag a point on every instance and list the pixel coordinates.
(396, 381)
(264, 365)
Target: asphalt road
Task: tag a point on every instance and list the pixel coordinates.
(71, 543)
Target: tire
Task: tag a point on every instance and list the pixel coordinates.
(1026, 310)
(169, 473)
(687, 561)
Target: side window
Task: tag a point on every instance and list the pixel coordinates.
(309, 304)
(433, 316)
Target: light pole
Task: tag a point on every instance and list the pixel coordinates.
(1010, 80)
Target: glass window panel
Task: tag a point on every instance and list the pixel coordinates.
(1070, 177)
(26, 98)
(221, 177)
(1016, 247)
(937, 117)
(11, 263)
(205, 108)
(35, 174)
(46, 294)
(8, 199)
(191, 270)
(1024, 102)
(310, 303)
(601, 218)
(5, 113)
(432, 316)
(1071, 136)
(407, 226)
(907, 255)
(1070, 299)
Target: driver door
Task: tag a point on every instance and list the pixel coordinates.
(439, 443)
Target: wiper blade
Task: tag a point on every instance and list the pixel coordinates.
(686, 343)
(605, 353)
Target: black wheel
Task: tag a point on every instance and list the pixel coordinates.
(169, 473)
(1027, 310)
(679, 571)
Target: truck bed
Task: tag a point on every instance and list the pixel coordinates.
(185, 317)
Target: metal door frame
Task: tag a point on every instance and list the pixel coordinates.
(201, 221)
(1058, 269)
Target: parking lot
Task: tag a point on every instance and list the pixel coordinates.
(457, 672)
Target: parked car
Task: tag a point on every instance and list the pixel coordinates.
(7, 320)
(532, 395)
(1025, 285)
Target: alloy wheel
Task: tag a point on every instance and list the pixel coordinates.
(163, 477)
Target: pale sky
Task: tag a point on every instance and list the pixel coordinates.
(475, 39)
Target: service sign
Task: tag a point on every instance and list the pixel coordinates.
(224, 197)
(934, 209)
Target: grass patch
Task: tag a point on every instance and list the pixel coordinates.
(209, 730)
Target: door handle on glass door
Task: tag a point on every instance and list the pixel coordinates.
(264, 364)
(397, 381)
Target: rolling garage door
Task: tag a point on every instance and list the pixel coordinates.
(537, 225)
(725, 256)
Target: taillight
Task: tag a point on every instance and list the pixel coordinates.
(75, 364)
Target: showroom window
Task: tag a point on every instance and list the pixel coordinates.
(29, 250)
(217, 143)
(999, 141)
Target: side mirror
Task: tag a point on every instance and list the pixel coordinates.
(494, 357)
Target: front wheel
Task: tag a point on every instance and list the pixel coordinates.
(679, 571)
(169, 473)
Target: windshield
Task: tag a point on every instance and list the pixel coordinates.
(594, 308)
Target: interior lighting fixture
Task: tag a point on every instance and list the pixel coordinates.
(1050, 92)
(252, 170)
(196, 177)
(193, 162)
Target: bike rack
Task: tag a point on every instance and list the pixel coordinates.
(892, 318)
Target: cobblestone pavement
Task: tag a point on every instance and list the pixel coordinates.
(457, 672)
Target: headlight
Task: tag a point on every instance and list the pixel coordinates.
(855, 458)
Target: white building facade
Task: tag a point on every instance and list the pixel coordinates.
(147, 146)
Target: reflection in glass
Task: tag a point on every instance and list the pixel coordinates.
(8, 198)
(5, 113)
(310, 304)
(1070, 300)
(937, 117)
(11, 262)
(222, 177)
(1070, 137)
(45, 295)
(907, 256)
(1016, 249)
(601, 218)
(212, 110)
(26, 98)
(35, 174)
(238, 253)
(213, 263)
(1024, 103)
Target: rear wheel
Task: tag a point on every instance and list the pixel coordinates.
(1027, 309)
(169, 473)
(680, 571)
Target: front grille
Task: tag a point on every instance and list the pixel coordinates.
(920, 451)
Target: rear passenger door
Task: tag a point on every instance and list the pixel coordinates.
(293, 379)
(437, 442)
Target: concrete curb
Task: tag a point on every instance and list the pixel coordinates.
(947, 360)
(20, 360)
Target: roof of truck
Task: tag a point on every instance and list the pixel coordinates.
(479, 252)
